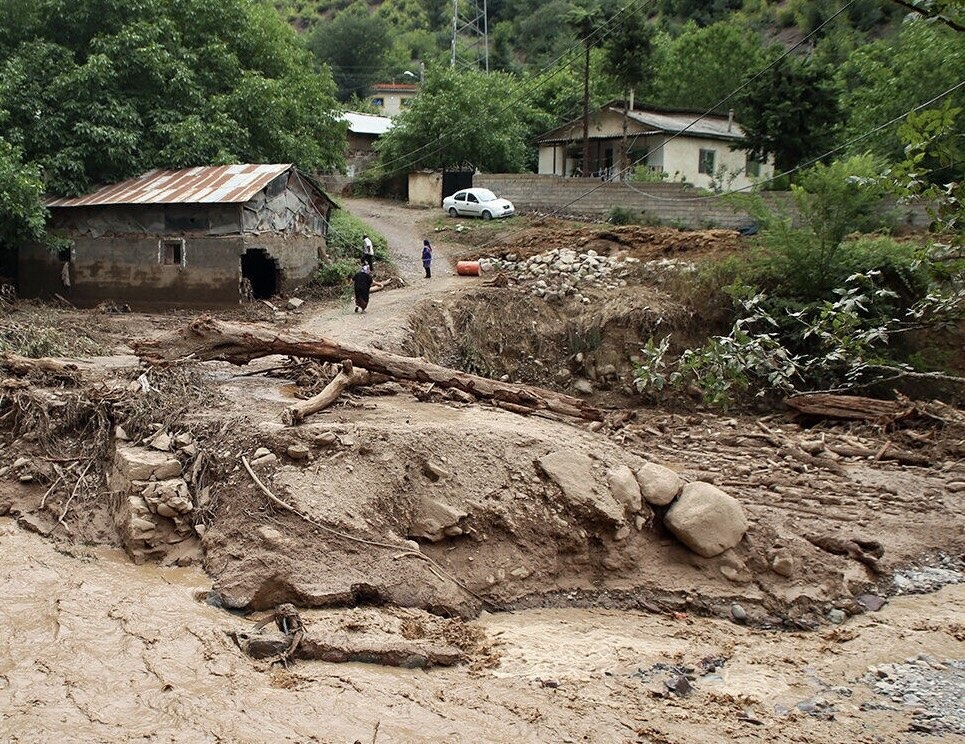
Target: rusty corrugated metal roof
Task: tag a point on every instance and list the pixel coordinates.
(228, 184)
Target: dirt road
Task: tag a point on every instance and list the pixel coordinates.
(384, 324)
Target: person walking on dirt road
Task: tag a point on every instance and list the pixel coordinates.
(362, 283)
(368, 251)
(427, 258)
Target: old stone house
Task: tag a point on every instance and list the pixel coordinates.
(198, 237)
(685, 146)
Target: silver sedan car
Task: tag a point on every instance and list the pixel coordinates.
(477, 203)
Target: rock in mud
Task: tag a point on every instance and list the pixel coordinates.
(624, 487)
(871, 602)
(299, 452)
(35, 523)
(434, 521)
(434, 471)
(162, 442)
(139, 464)
(583, 386)
(782, 562)
(837, 616)
(706, 519)
(269, 459)
(658, 485)
(572, 471)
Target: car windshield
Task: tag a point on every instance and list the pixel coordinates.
(485, 195)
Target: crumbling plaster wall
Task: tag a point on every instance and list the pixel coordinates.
(117, 250)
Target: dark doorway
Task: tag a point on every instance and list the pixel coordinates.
(260, 272)
(453, 181)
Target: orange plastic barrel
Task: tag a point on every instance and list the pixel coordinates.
(467, 268)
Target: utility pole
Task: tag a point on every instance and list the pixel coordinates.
(470, 34)
(586, 112)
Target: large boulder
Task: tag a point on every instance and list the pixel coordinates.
(572, 471)
(659, 485)
(624, 487)
(706, 519)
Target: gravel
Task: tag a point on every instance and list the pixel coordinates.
(936, 690)
(926, 579)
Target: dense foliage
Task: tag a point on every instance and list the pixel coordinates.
(98, 90)
(458, 119)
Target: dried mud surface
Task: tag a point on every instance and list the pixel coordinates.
(97, 649)
(569, 628)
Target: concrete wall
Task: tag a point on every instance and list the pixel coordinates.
(391, 102)
(425, 188)
(668, 203)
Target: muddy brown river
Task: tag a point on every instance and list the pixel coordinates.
(96, 649)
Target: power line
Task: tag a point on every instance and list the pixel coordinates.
(602, 31)
(713, 108)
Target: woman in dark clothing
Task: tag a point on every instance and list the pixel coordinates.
(427, 258)
(362, 282)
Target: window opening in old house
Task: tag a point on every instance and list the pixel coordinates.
(752, 167)
(705, 163)
(378, 101)
(171, 252)
(260, 272)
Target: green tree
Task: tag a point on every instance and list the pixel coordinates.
(701, 65)
(98, 91)
(22, 214)
(629, 56)
(355, 46)
(459, 118)
(790, 112)
(888, 77)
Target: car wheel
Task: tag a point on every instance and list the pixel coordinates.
(453, 212)
(487, 215)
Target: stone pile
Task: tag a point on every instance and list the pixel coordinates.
(156, 506)
(704, 518)
(561, 273)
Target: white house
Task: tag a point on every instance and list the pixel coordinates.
(702, 150)
(391, 98)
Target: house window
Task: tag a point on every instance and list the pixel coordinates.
(405, 102)
(706, 161)
(171, 252)
(378, 101)
(752, 167)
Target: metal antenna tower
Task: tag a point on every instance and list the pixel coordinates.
(470, 34)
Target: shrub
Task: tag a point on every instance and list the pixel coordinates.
(623, 216)
(345, 232)
(333, 273)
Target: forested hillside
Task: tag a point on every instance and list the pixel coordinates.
(830, 70)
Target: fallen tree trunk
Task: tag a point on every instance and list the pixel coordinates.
(851, 407)
(349, 377)
(21, 365)
(208, 339)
